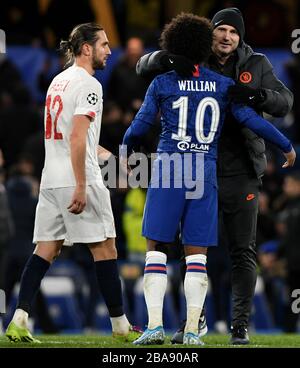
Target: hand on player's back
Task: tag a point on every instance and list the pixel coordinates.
(78, 201)
(247, 95)
(182, 66)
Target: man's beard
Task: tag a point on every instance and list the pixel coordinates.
(96, 63)
(224, 54)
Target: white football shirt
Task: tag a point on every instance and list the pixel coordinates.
(72, 92)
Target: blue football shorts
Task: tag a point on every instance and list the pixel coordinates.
(168, 210)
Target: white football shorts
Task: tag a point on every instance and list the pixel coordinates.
(53, 221)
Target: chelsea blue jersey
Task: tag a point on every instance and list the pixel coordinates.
(192, 114)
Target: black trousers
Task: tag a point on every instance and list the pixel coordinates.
(238, 208)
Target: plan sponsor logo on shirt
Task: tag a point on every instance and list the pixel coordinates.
(194, 147)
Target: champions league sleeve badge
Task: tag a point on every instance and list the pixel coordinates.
(92, 98)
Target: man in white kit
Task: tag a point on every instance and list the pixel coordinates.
(73, 201)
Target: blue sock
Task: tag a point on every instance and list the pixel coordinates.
(110, 286)
(33, 273)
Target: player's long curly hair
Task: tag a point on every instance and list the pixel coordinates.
(188, 35)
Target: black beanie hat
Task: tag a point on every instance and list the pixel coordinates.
(232, 17)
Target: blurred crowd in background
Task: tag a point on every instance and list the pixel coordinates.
(133, 27)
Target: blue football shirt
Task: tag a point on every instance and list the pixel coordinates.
(192, 114)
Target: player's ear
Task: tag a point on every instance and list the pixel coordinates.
(86, 49)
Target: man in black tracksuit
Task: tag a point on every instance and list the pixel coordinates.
(241, 158)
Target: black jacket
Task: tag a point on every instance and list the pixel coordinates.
(241, 151)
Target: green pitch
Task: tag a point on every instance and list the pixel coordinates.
(101, 341)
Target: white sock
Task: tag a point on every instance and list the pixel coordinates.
(155, 285)
(120, 325)
(20, 318)
(195, 288)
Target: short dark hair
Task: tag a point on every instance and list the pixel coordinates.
(82, 33)
(188, 35)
